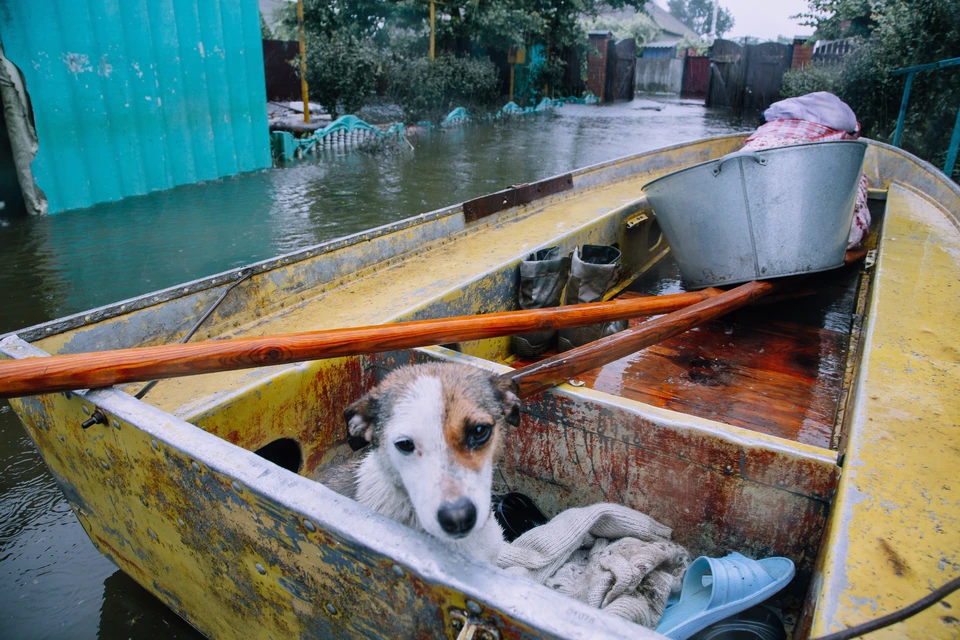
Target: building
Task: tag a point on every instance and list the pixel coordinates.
(671, 32)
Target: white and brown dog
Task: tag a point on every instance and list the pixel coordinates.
(435, 432)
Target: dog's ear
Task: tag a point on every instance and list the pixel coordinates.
(361, 420)
(508, 391)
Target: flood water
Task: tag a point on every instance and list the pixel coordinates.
(53, 582)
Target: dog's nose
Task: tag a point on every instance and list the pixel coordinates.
(457, 518)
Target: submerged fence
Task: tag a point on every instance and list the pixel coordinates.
(343, 132)
(347, 131)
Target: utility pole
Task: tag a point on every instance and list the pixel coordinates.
(433, 27)
(713, 26)
(303, 64)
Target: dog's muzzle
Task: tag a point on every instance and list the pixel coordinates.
(457, 518)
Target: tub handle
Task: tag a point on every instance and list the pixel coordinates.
(745, 153)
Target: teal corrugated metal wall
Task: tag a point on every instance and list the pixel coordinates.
(131, 96)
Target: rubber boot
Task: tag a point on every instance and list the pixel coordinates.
(542, 276)
(594, 271)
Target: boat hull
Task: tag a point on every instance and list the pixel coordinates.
(169, 488)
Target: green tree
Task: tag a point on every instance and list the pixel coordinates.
(698, 15)
(892, 34)
(341, 71)
(429, 89)
(835, 19)
(639, 26)
(264, 29)
(464, 28)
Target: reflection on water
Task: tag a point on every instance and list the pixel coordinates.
(130, 611)
(53, 583)
(78, 260)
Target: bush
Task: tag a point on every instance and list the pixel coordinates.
(639, 26)
(429, 90)
(341, 71)
(800, 82)
(896, 34)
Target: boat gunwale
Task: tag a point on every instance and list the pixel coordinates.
(927, 169)
(859, 575)
(226, 278)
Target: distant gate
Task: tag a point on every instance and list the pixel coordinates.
(764, 69)
(696, 75)
(623, 76)
(725, 88)
(746, 79)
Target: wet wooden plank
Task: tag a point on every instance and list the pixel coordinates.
(772, 376)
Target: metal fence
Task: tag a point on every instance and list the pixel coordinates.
(832, 51)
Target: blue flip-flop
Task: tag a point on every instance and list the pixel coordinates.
(716, 588)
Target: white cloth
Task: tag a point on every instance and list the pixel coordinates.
(821, 107)
(606, 555)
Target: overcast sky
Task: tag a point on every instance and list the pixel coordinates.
(765, 19)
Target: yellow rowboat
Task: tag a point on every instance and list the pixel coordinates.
(821, 428)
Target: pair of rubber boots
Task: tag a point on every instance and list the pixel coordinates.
(588, 274)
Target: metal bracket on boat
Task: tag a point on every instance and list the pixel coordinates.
(240, 277)
(516, 195)
(636, 220)
(98, 417)
(470, 628)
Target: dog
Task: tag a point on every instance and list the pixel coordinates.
(434, 432)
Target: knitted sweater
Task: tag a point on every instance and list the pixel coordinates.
(606, 555)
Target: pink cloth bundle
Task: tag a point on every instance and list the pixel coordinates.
(778, 133)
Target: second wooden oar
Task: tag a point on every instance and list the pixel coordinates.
(551, 371)
(102, 369)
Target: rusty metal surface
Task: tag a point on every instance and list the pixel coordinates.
(716, 485)
(720, 488)
(242, 548)
(515, 196)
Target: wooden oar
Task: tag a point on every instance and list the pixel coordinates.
(551, 371)
(31, 376)
(562, 367)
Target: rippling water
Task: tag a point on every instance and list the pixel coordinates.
(53, 583)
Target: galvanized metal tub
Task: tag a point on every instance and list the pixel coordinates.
(760, 214)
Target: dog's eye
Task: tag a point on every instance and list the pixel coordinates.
(404, 445)
(478, 434)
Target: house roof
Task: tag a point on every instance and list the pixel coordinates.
(663, 43)
(670, 27)
(668, 23)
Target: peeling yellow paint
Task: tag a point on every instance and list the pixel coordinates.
(895, 530)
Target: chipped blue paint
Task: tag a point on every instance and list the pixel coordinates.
(135, 96)
(295, 589)
(172, 599)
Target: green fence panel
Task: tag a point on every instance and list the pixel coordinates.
(131, 96)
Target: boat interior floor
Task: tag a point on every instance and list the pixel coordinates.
(776, 367)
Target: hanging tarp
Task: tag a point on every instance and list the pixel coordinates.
(132, 96)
